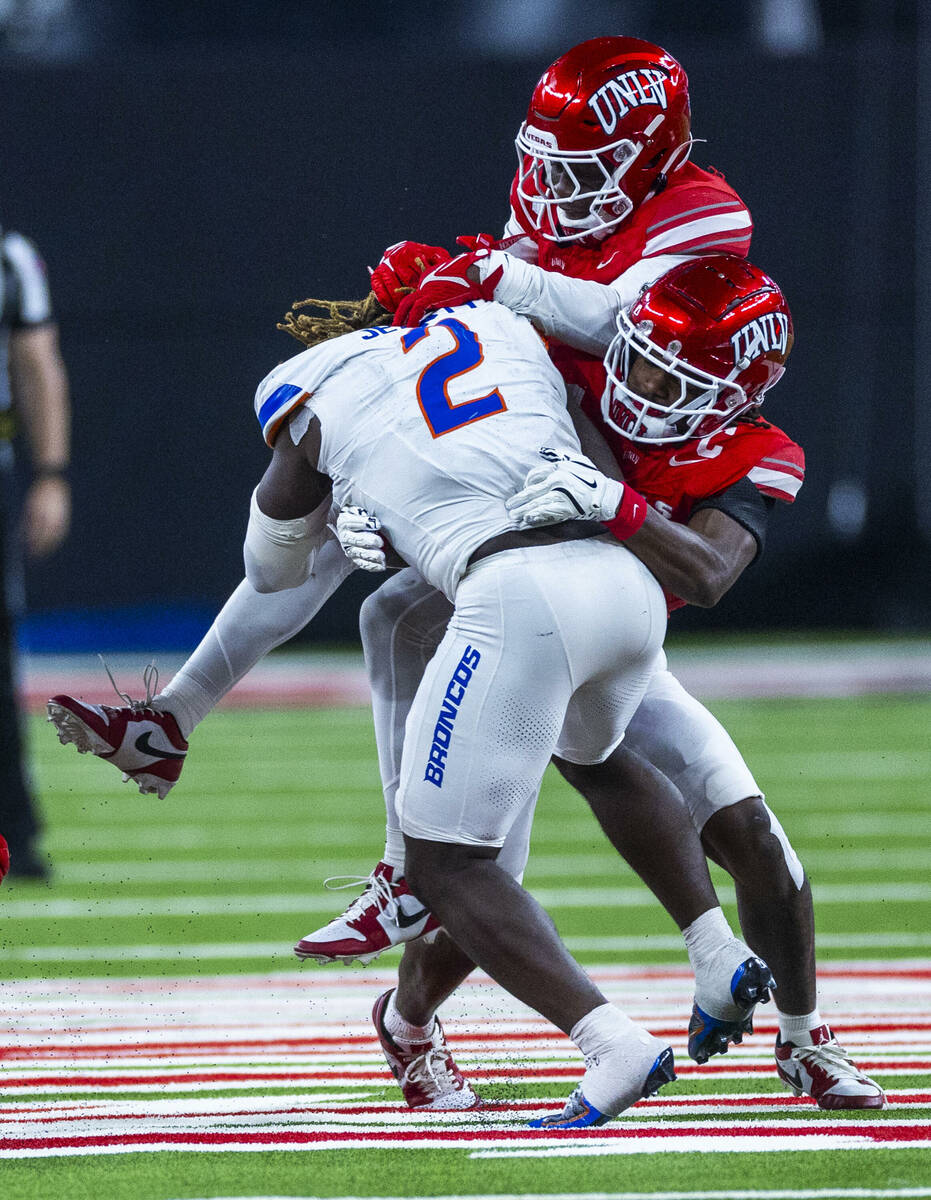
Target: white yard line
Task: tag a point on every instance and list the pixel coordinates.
(314, 902)
(542, 866)
(682, 1145)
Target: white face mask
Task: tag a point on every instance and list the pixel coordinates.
(544, 172)
(714, 403)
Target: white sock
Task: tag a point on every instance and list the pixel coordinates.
(394, 841)
(798, 1029)
(705, 935)
(599, 1028)
(186, 700)
(248, 626)
(401, 1030)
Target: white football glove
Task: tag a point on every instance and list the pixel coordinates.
(358, 535)
(565, 489)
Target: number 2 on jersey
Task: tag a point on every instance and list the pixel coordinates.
(433, 385)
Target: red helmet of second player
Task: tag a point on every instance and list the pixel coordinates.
(605, 121)
(718, 329)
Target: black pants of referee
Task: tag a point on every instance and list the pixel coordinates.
(19, 822)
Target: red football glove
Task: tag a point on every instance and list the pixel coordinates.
(446, 286)
(4, 857)
(400, 268)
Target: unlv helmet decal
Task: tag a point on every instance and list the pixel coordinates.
(618, 96)
(718, 329)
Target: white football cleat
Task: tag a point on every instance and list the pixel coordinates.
(426, 1071)
(146, 745)
(824, 1071)
(385, 915)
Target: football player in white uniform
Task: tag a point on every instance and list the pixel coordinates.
(434, 428)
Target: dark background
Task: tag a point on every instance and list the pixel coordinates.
(189, 170)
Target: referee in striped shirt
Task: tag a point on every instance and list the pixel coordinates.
(34, 404)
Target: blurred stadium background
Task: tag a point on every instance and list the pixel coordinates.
(189, 170)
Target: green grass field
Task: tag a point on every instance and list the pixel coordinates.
(218, 881)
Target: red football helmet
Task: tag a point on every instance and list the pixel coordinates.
(719, 328)
(605, 121)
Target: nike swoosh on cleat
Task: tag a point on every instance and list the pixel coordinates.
(143, 746)
(406, 921)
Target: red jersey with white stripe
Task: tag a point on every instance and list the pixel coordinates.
(674, 477)
(697, 212)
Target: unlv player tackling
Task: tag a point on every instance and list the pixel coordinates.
(606, 201)
(605, 195)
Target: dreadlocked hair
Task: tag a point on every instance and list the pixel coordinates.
(343, 316)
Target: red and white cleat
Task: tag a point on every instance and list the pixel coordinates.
(146, 745)
(825, 1072)
(385, 915)
(425, 1071)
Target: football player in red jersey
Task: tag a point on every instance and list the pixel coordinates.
(604, 191)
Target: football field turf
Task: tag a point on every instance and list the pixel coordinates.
(160, 1040)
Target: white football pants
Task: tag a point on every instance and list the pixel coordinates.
(402, 625)
(541, 639)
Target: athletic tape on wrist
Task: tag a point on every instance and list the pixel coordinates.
(631, 514)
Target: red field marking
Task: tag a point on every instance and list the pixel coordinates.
(326, 689)
(279, 1045)
(59, 1113)
(829, 972)
(172, 1049)
(881, 1133)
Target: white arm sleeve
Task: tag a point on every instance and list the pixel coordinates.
(280, 554)
(580, 312)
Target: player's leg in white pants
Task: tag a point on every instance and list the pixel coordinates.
(401, 626)
(484, 724)
(432, 968)
(249, 626)
(774, 901)
(688, 744)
